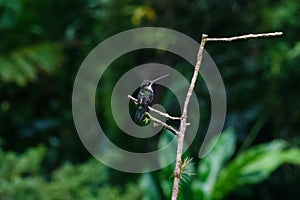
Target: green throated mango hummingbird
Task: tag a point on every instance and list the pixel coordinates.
(145, 97)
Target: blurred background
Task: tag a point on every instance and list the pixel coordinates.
(43, 43)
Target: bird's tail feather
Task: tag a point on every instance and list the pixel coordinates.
(140, 113)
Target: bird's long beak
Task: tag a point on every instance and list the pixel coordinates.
(159, 78)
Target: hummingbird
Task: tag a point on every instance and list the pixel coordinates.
(145, 97)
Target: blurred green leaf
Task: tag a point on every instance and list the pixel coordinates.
(29, 163)
(167, 154)
(294, 52)
(150, 187)
(254, 165)
(24, 64)
(21, 177)
(11, 10)
(210, 166)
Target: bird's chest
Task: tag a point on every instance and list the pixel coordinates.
(145, 96)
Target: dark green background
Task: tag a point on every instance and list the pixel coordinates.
(43, 43)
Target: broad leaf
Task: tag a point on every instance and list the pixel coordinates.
(254, 165)
(211, 165)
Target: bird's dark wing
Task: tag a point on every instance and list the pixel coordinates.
(140, 113)
(144, 99)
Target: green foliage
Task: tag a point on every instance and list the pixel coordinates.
(20, 174)
(159, 185)
(10, 11)
(218, 176)
(150, 186)
(25, 64)
(167, 154)
(22, 178)
(219, 173)
(211, 165)
(44, 42)
(254, 166)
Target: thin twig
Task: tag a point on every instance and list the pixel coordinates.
(170, 128)
(248, 36)
(164, 114)
(156, 111)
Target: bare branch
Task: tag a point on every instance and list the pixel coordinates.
(249, 36)
(183, 122)
(170, 128)
(156, 111)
